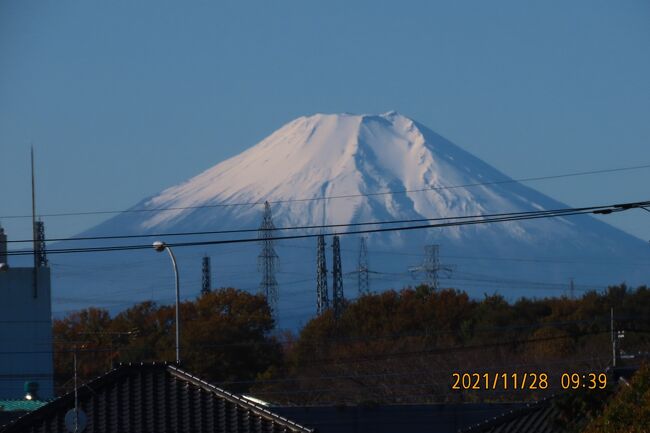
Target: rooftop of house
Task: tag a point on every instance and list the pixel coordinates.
(155, 397)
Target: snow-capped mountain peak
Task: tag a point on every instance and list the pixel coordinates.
(347, 168)
(332, 155)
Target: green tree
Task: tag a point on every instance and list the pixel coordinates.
(629, 409)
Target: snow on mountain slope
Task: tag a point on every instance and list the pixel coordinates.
(376, 168)
(346, 155)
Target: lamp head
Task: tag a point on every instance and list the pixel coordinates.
(31, 391)
(4, 267)
(159, 246)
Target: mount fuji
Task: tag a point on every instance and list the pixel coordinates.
(342, 169)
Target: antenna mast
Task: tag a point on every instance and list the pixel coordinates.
(39, 252)
(34, 231)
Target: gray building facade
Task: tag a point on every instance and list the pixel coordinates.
(25, 331)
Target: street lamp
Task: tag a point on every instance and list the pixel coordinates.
(161, 246)
(4, 267)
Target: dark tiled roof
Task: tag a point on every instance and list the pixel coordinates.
(424, 418)
(7, 417)
(538, 417)
(155, 398)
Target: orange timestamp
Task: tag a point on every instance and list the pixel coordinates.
(505, 381)
(525, 381)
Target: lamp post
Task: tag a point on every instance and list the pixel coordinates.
(161, 246)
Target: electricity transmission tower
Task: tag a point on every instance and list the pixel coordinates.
(363, 282)
(206, 283)
(322, 298)
(267, 260)
(362, 271)
(431, 266)
(337, 277)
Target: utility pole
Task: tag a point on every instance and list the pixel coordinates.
(571, 288)
(322, 298)
(206, 283)
(613, 337)
(267, 260)
(337, 277)
(76, 397)
(363, 280)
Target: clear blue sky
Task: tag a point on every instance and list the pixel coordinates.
(123, 98)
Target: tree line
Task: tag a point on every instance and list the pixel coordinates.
(391, 347)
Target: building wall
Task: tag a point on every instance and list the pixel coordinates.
(25, 333)
(3, 246)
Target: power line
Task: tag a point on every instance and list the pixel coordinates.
(405, 191)
(306, 227)
(436, 332)
(469, 277)
(493, 218)
(595, 209)
(567, 260)
(486, 280)
(398, 354)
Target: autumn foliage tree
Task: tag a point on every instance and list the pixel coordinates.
(402, 347)
(85, 333)
(226, 337)
(391, 347)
